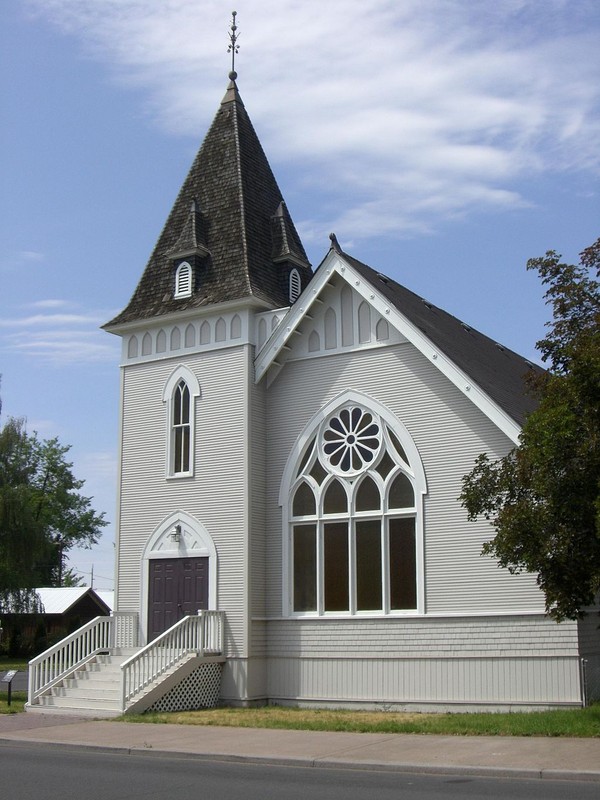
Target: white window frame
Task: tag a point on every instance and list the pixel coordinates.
(179, 375)
(291, 480)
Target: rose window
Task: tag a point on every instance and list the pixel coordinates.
(351, 440)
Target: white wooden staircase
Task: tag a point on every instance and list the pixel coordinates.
(94, 673)
(94, 689)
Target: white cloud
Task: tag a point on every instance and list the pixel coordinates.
(63, 348)
(49, 320)
(49, 304)
(30, 255)
(22, 258)
(435, 108)
(58, 339)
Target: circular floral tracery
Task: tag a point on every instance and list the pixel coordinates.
(350, 440)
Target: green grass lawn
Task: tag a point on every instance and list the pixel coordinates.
(7, 663)
(563, 722)
(17, 698)
(568, 722)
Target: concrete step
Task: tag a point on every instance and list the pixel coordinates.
(91, 692)
(92, 679)
(99, 704)
(95, 689)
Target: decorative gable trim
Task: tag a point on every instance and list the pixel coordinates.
(272, 355)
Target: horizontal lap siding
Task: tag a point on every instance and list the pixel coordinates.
(514, 660)
(216, 496)
(256, 665)
(433, 637)
(449, 432)
(257, 437)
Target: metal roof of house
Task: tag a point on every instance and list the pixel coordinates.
(58, 600)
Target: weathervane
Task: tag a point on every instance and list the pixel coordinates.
(233, 46)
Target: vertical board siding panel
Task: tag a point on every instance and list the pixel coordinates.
(425, 681)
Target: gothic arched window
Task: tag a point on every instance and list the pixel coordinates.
(181, 428)
(354, 517)
(179, 394)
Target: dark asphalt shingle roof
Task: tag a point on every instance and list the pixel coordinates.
(230, 218)
(498, 371)
(236, 200)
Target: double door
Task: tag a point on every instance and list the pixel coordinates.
(177, 587)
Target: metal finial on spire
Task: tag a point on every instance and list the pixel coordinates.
(233, 45)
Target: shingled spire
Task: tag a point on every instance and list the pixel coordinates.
(227, 222)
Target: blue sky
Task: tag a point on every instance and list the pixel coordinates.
(444, 141)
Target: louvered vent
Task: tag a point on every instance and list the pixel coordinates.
(295, 285)
(183, 280)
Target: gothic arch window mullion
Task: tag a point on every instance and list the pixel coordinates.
(366, 516)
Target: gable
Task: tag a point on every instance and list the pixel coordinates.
(340, 320)
(331, 315)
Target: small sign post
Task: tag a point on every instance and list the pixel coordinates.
(8, 678)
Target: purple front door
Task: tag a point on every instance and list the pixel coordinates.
(177, 587)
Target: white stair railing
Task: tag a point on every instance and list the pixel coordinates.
(95, 636)
(201, 634)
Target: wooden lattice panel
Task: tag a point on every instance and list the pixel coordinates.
(201, 689)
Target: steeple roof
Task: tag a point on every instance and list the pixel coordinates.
(229, 221)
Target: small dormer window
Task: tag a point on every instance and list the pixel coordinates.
(183, 280)
(295, 285)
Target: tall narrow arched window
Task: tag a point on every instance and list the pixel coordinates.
(352, 500)
(181, 429)
(179, 395)
(183, 280)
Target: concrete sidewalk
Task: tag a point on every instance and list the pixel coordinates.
(531, 757)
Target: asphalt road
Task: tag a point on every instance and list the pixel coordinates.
(31, 772)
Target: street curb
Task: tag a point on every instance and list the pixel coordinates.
(515, 773)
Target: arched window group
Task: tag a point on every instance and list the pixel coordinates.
(353, 512)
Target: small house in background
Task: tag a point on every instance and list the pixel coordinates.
(68, 608)
(62, 610)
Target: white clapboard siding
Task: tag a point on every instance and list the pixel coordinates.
(257, 438)
(216, 495)
(449, 432)
(425, 682)
(522, 660)
(433, 637)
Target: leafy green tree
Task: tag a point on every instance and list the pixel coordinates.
(543, 498)
(42, 515)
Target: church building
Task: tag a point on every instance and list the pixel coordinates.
(292, 447)
(307, 433)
